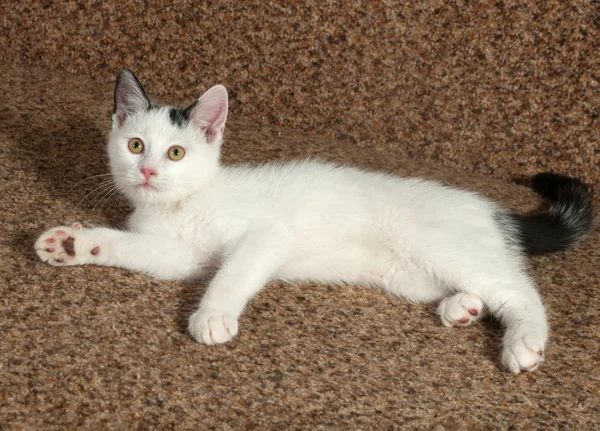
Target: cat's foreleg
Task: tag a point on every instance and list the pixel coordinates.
(246, 269)
(162, 257)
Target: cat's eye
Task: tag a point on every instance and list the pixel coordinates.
(136, 145)
(176, 152)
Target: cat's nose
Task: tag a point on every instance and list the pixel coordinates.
(148, 172)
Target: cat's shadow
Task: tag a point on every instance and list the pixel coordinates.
(63, 153)
(491, 332)
(68, 161)
(492, 340)
(189, 297)
(188, 300)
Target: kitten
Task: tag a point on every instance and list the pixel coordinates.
(308, 220)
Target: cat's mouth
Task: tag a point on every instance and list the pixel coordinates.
(147, 186)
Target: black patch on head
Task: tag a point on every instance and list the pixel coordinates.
(181, 116)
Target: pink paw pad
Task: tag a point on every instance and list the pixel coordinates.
(50, 241)
(461, 309)
(96, 250)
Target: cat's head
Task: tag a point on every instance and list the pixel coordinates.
(161, 154)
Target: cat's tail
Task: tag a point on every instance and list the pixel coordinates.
(566, 222)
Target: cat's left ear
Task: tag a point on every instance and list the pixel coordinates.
(209, 113)
(130, 97)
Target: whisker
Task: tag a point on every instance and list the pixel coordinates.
(119, 197)
(103, 196)
(94, 190)
(99, 189)
(85, 179)
(116, 189)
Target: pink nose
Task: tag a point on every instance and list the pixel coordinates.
(148, 172)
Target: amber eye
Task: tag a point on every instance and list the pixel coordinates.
(176, 153)
(136, 145)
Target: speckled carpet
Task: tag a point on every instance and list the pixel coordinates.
(471, 94)
(494, 87)
(91, 347)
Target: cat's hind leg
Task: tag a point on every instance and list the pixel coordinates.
(477, 285)
(526, 324)
(517, 304)
(461, 309)
(406, 280)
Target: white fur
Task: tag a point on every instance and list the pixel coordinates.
(305, 220)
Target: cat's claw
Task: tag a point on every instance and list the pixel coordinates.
(213, 327)
(523, 354)
(461, 309)
(57, 245)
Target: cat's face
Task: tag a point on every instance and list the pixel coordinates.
(160, 154)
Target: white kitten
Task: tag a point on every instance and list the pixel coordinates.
(309, 220)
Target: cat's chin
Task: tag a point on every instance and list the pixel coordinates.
(149, 194)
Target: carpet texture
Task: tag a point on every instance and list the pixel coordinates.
(102, 348)
(505, 88)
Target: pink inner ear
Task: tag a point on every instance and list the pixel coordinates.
(210, 113)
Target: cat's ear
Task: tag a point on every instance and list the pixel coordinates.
(130, 97)
(209, 113)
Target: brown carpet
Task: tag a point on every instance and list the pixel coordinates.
(498, 88)
(95, 348)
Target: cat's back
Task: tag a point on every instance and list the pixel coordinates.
(309, 184)
(294, 183)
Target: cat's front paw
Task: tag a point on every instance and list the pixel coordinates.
(461, 309)
(523, 353)
(60, 246)
(212, 327)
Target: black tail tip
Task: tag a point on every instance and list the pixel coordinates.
(551, 185)
(566, 222)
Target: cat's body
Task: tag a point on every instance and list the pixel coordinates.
(334, 224)
(309, 220)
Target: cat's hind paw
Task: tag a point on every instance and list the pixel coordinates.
(523, 353)
(57, 245)
(212, 327)
(461, 309)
